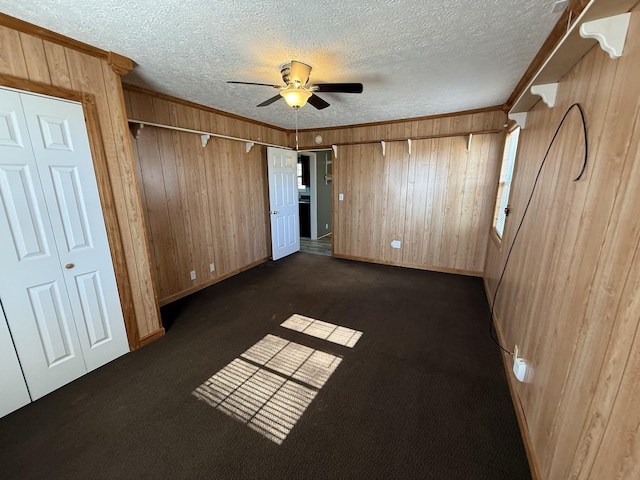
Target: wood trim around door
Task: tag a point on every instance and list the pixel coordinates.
(104, 191)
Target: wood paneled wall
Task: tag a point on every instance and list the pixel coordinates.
(203, 205)
(184, 114)
(461, 123)
(438, 201)
(571, 293)
(54, 65)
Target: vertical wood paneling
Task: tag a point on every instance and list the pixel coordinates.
(437, 201)
(47, 63)
(570, 294)
(198, 117)
(12, 61)
(35, 58)
(461, 123)
(130, 209)
(147, 153)
(57, 64)
(202, 205)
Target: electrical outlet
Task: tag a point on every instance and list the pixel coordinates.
(193, 274)
(212, 267)
(341, 196)
(519, 366)
(326, 226)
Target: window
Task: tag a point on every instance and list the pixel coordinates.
(303, 172)
(504, 187)
(301, 185)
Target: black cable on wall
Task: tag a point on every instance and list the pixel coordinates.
(526, 208)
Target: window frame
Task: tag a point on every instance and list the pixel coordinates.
(505, 180)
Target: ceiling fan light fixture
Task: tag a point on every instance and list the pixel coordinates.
(295, 97)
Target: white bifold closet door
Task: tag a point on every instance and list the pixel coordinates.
(57, 285)
(13, 390)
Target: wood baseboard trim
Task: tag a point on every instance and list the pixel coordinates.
(184, 293)
(151, 337)
(430, 268)
(507, 362)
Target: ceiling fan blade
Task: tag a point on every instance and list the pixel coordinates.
(270, 101)
(299, 72)
(252, 83)
(317, 102)
(338, 87)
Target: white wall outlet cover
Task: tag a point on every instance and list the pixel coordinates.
(519, 369)
(341, 196)
(396, 244)
(193, 274)
(212, 267)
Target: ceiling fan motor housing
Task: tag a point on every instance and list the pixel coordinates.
(296, 93)
(285, 71)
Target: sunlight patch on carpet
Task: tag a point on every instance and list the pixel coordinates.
(270, 400)
(310, 366)
(268, 403)
(344, 336)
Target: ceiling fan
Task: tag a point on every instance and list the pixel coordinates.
(296, 91)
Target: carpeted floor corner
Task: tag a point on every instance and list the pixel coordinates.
(422, 395)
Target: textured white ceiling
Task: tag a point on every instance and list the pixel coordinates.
(414, 57)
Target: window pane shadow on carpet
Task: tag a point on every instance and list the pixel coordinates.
(421, 395)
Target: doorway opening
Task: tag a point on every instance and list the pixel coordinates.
(315, 174)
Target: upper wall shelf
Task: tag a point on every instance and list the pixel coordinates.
(601, 21)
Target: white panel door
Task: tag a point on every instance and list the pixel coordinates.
(32, 286)
(283, 202)
(61, 147)
(57, 283)
(13, 390)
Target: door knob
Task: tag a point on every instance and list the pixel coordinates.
(69, 266)
(273, 212)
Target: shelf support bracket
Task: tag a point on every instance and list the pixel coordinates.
(548, 92)
(136, 130)
(469, 142)
(249, 145)
(384, 148)
(610, 32)
(204, 138)
(520, 118)
(335, 150)
(409, 145)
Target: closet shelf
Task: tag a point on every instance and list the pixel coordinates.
(602, 21)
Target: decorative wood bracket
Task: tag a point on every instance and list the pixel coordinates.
(119, 63)
(610, 32)
(249, 145)
(335, 150)
(384, 147)
(469, 142)
(409, 145)
(204, 138)
(136, 130)
(548, 92)
(520, 118)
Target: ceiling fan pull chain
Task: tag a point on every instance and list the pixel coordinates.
(296, 109)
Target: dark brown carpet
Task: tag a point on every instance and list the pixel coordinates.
(422, 395)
